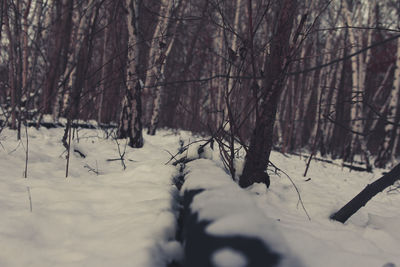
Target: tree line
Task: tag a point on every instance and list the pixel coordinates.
(315, 75)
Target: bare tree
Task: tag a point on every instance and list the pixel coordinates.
(275, 66)
(310, 75)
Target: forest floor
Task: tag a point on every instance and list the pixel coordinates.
(105, 215)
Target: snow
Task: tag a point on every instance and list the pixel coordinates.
(367, 239)
(120, 218)
(103, 215)
(228, 257)
(231, 210)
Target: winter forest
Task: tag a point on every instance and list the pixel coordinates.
(234, 131)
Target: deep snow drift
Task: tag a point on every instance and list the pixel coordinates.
(128, 217)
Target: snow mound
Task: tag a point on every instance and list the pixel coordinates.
(228, 257)
(232, 210)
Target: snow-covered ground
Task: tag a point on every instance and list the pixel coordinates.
(128, 217)
(117, 218)
(371, 237)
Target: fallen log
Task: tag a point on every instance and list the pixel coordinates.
(366, 194)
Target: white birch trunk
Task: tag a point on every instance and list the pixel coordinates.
(332, 100)
(322, 88)
(131, 115)
(388, 150)
(355, 111)
(163, 40)
(394, 102)
(359, 66)
(25, 51)
(104, 58)
(219, 48)
(77, 41)
(159, 92)
(159, 37)
(234, 48)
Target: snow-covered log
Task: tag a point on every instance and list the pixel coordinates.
(223, 226)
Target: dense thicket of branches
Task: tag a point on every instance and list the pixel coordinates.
(286, 72)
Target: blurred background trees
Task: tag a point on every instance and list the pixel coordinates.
(286, 75)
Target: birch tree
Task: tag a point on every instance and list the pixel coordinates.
(58, 42)
(82, 19)
(162, 43)
(218, 46)
(233, 50)
(130, 124)
(387, 151)
(25, 51)
(359, 65)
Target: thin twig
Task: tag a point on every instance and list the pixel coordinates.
(172, 157)
(30, 198)
(295, 187)
(69, 149)
(112, 159)
(121, 155)
(15, 149)
(314, 68)
(26, 152)
(316, 137)
(90, 169)
(183, 149)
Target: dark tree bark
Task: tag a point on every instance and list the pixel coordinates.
(58, 53)
(2, 11)
(12, 66)
(257, 157)
(367, 194)
(137, 139)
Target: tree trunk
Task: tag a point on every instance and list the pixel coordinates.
(106, 68)
(157, 45)
(257, 157)
(13, 67)
(378, 93)
(165, 35)
(388, 149)
(333, 82)
(365, 195)
(359, 65)
(190, 57)
(131, 116)
(58, 54)
(2, 11)
(232, 70)
(25, 51)
(78, 61)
